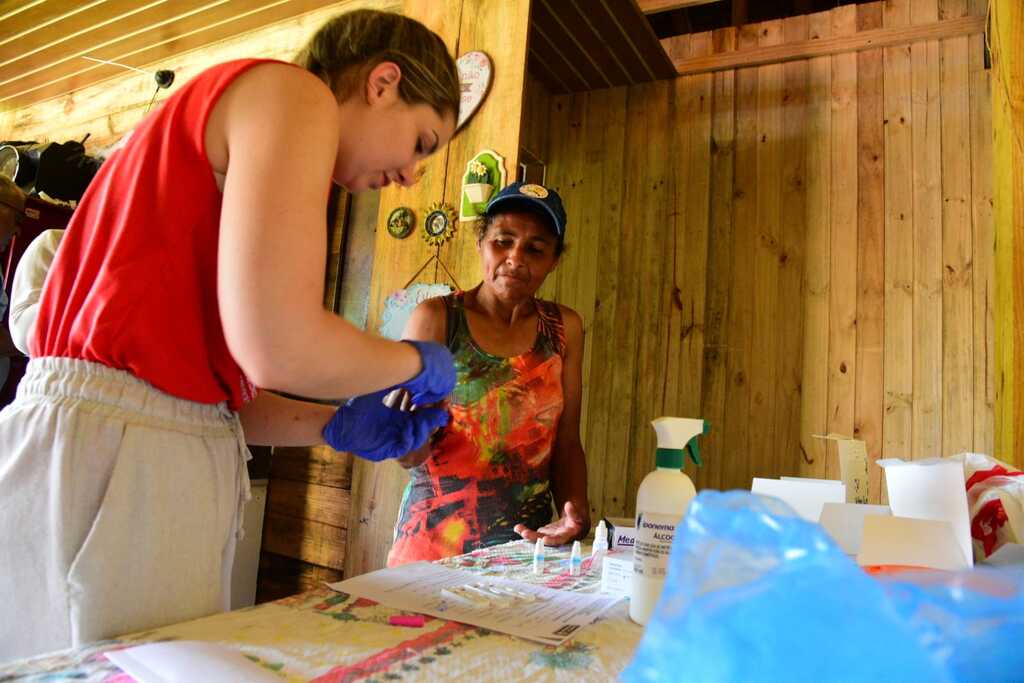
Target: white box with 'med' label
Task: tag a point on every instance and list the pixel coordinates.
(621, 533)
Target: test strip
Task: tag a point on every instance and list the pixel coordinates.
(477, 599)
(514, 592)
(485, 592)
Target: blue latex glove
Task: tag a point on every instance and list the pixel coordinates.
(437, 378)
(371, 430)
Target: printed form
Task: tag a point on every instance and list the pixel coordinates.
(550, 618)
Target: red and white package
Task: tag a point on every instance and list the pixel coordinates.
(995, 501)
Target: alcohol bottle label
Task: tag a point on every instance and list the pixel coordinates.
(654, 534)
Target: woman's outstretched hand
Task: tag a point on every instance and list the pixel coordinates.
(569, 527)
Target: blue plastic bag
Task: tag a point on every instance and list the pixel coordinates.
(755, 593)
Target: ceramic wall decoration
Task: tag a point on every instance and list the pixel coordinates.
(485, 174)
(478, 185)
(439, 224)
(474, 78)
(401, 222)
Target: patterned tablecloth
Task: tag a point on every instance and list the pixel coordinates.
(327, 636)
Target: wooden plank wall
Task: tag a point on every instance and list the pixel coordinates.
(306, 520)
(785, 250)
(1008, 115)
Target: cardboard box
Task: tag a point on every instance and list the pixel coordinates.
(617, 573)
(621, 533)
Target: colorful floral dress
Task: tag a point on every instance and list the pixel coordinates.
(489, 469)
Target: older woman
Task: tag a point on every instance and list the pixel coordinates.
(513, 441)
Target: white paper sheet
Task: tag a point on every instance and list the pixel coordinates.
(551, 619)
(931, 489)
(805, 496)
(188, 662)
(909, 541)
(845, 523)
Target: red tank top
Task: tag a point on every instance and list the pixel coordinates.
(134, 284)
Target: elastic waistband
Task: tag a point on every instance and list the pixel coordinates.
(55, 378)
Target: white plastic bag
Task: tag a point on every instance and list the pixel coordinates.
(995, 501)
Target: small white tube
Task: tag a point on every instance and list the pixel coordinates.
(600, 548)
(600, 538)
(538, 556)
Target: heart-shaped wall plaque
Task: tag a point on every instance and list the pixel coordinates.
(474, 80)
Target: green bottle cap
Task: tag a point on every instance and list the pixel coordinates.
(669, 457)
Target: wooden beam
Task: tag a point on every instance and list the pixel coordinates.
(806, 49)
(655, 6)
(1008, 125)
(740, 12)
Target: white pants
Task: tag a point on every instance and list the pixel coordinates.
(119, 507)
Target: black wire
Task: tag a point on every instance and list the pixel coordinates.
(151, 100)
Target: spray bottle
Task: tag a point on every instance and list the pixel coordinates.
(661, 503)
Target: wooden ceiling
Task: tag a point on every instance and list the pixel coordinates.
(42, 42)
(579, 45)
(575, 45)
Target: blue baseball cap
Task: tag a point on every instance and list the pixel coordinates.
(530, 197)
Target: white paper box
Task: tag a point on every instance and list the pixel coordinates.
(617, 573)
(908, 541)
(805, 496)
(931, 489)
(845, 523)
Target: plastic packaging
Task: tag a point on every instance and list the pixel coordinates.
(755, 593)
(995, 496)
(661, 502)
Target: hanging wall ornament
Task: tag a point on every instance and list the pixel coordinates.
(401, 222)
(474, 78)
(485, 173)
(439, 225)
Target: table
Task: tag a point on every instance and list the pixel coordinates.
(322, 635)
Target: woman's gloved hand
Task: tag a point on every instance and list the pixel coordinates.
(372, 430)
(437, 378)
